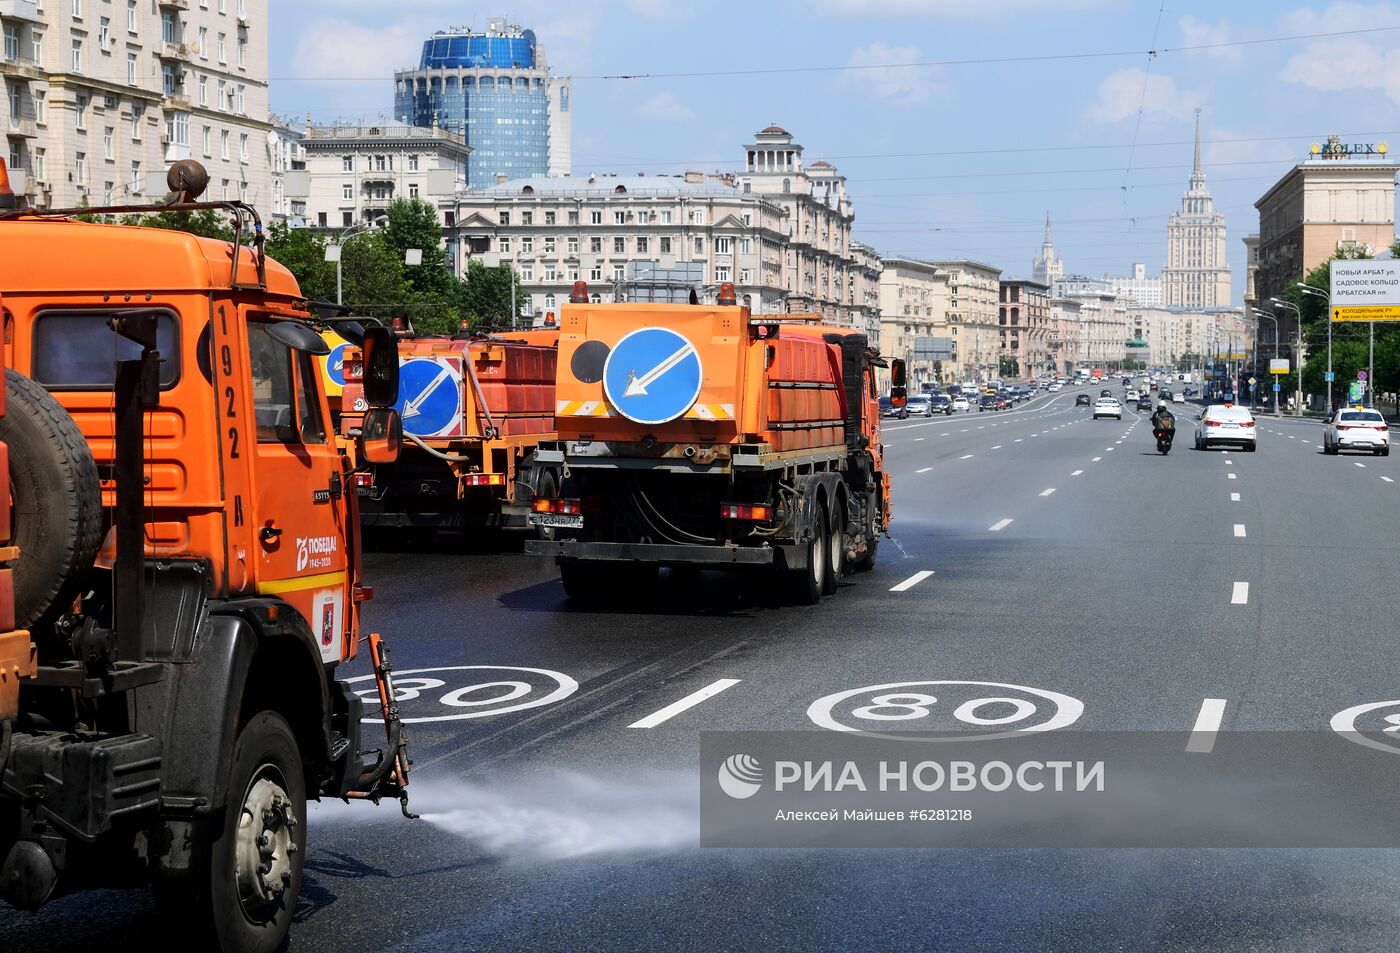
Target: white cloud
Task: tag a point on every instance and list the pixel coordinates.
(1121, 93)
(1345, 63)
(1200, 33)
(344, 49)
(877, 71)
(663, 107)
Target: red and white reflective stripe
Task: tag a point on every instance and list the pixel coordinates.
(745, 511)
(485, 479)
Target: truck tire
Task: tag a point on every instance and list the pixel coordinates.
(835, 549)
(809, 582)
(548, 488)
(244, 891)
(55, 498)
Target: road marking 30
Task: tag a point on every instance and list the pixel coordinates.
(1207, 724)
(912, 581)
(685, 704)
(1240, 595)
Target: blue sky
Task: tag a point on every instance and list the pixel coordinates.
(944, 160)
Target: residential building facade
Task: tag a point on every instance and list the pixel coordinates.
(1144, 290)
(352, 173)
(1197, 274)
(1023, 317)
(289, 175)
(864, 277)
(101, 96)
(1064, 334)
(974, 292)
(913, 296)
(494, 88)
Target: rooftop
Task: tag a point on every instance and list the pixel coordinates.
(642, 185)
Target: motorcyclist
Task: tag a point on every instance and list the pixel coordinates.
(1163, 423)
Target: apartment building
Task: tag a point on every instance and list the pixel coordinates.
(974, 292)
(1023, 319)
(913, 305)
(101, 96)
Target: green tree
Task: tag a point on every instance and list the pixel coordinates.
(413, 223)
(373, 278)
(207, 223)
(485, 296)
(303, 253)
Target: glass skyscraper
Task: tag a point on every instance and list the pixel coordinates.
(495, 89)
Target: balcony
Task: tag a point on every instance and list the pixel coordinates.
(177, 97)
(173, 4)
(176, 52)
(27, 10)
(22, 128)
(23, 69)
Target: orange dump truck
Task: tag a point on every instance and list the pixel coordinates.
(473, 409)
(188, 569)
(695, 435)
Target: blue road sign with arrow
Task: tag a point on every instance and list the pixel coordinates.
(430, 397)
(652, 376)
(335, 364)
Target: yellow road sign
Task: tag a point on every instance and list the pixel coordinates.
(1382, 312)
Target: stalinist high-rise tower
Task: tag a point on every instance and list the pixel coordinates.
(1047, 267)
(1197, 275)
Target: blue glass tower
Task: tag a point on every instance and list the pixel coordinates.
(495, 89)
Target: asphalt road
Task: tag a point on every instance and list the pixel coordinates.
(1034, 547)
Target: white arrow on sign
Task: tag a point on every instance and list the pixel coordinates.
(637, 386)
(410, 409)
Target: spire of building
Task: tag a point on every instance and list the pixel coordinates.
(1196, 166)
(1047, 267)
(1047, 229)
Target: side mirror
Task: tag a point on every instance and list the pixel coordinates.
(899, 394)
(381, 435)
(381, 371)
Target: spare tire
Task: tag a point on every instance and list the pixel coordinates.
(55, 499)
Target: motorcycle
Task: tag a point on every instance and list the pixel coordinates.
(1164, 440)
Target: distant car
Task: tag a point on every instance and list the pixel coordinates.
(1127, 381)
(1108, 407)
(990, 402)
(1357, 428)
(1144, 402)
(1226, 424)
(941, 404)
(1055, 388)
(1164, 394)
(1131, 396)
(1105, 393)
(1178, 398)
(1082, 400)
(919, 406)
(961, 403)
(888, 409)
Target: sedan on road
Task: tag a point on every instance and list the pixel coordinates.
(1130, 396)
(961, 403)
(888, 409)
(1108, 407)
(1226, 424)
(990, 402)
(1357, 428)
(1082, 400)
(941, 404)
(919, 406)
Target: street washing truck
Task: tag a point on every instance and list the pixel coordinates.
(703, 436)
(182, 573)
(473, 408)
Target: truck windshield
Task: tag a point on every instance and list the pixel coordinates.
(76, 350)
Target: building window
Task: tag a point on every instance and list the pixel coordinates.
(413, 163)
(80, 168)
(527, 245)
(644, 218)
(81, 105)
(619, 218)
(204, 90)
(619, 272)
(503, 244)
(724, 246)
(413, 190)
(595, 273)
(138, 119)
(573, 246)
(527, 272)
(37, 41)
(549, 244)
(527, 218)
(748, 219)
(204, 43)
(642, 245)
(137, 185)
(222, 104)
(697, 216)
(223, 50)
(549, 302)
(595, 246)
(550, 274)
(223, 145)
(131, 69)
(721, 272)
(619, 246)
(699, 246)
(666, 218)
(595, 218)
(664, 244)
(77, 9)
(243, 146)
(41, 106)
(104, 34)
(168, 31)
(107, 143)
(745, 276)
(77, 56)
(573, 218)
(207, 139)
(242, 53)
(504, 216)
(549, 218)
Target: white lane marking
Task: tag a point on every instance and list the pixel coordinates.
(966, 456)
(1229, 463)
(1076, 473)
(1361, 465)
(1108, 449)
(924, 470)
(1234, 497)
(1117, 441)
(1239, 530)
(964, 430)
(1229, 476)
(1018, 440)
(1047, 492)
(1096, 460)
(1239, 596)
(1208, 720)
(981, 428)
(685, 704)
(1291, 437)
(998, 526)
(912, 581)
(1387, 479)
(997, 447)
(917, 439)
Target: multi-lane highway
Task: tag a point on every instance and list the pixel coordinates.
(1036, 548)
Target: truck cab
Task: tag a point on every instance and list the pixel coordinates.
(188, 569)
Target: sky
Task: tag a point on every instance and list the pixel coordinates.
(959, 123)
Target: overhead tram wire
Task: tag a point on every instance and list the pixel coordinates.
(974, 61)
(1142, 103)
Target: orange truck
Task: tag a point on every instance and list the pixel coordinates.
(703, 436)
(186, 562)
(473, 409)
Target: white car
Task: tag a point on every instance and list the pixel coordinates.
(1054, 388)
(1226, 424)
(1178, 397)
(1130, 397)
(1357, 428)
(1108, 407)
(960, 403)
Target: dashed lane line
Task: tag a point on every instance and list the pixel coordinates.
(966, 456)
(912, 581)
(1208, 720)
(924, 470)
(1096, 460)
(1358, 464)
(1076, 473)
(1239, 596)
(1230, 476)
(998, 526)
(1047, 492)
(1234, 497)
(1239, 530)
(685, 704)
(1387, 479)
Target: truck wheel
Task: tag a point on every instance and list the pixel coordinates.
(835, 550)
(243, 899)
(548, 487)
(55, 499)
(809, 582)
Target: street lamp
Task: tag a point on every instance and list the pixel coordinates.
(1298, 350)
(333, 251)
(1260, 313)
(1326, 297)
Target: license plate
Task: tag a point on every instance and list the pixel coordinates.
(561, 520)
(1231, 426)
